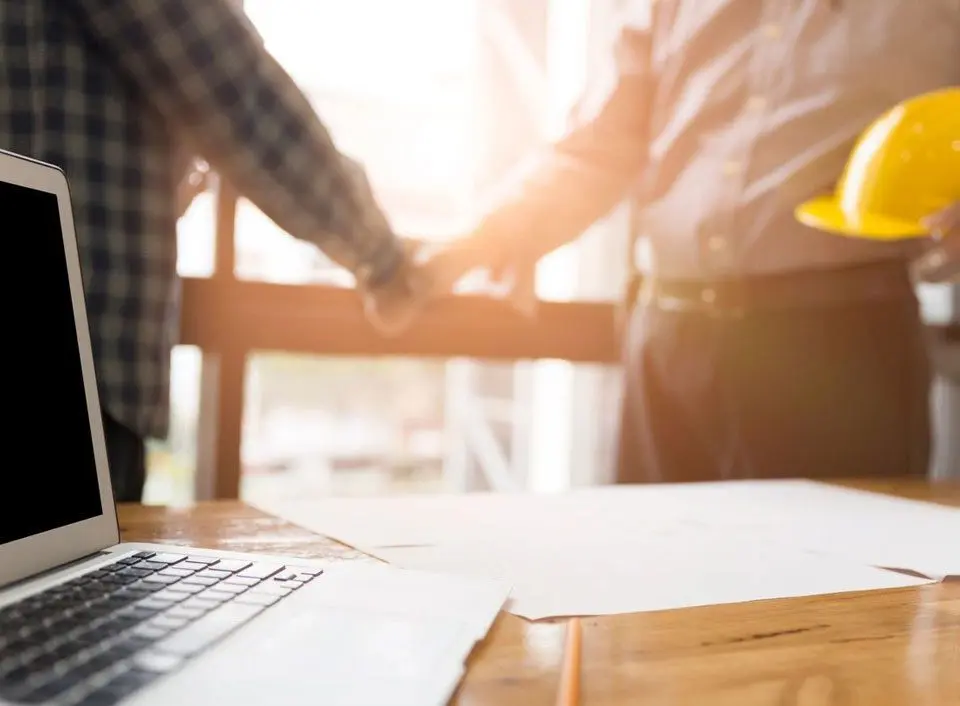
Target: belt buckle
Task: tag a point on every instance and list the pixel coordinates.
(720, 300)
(724, 300)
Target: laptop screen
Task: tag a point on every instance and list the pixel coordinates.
(49, 470)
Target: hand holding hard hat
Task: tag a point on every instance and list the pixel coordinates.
(902, 179)
(941, 263)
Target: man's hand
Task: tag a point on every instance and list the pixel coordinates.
(392, 307)
(450, 262)
(946, 222)
(942, 262)
(506, 269)
(428, 272)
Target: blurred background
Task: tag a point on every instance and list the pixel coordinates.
(440, 99)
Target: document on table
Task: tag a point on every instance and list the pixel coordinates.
(879, 530)
(630, 549)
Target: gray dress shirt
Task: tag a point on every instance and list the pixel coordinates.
(726, 114)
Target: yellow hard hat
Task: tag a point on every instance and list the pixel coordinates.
(904, 167)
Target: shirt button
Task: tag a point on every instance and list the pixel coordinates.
(772, 31)
(708, 296)
(732, 168)
(717, 244)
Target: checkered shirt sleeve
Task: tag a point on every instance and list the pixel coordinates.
(206, 69)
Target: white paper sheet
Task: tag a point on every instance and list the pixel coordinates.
(630, 549)
(874, 529)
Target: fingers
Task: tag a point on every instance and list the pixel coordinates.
(941, 263)
(945, 222)
(392, 311)
(449, 264)
(435, 271)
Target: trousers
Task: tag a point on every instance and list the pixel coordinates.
(127, 456)
(827, 389)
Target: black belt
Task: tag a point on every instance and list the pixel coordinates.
(732, 298)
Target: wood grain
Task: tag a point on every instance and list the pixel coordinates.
(879, 648)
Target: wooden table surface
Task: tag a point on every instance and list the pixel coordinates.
(878, 648)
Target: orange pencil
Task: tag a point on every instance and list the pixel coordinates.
(569, 694)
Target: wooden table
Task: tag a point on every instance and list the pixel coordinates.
(879, 648)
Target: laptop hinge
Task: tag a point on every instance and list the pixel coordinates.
(55, 569)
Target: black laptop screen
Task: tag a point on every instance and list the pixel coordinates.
(49, 472)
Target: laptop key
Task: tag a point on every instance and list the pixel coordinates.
(231, 566)
(227, 587)
(308, 570)
(273, 589)
(139, 613)
(200, 580)
(209, 629)
(260, 599)
(13, 691)
(185, 612)
(190, 566)
(200, 604)
(152, 604)
(119, 688)
(141, 590)
(157, 662)
(215, 596)
(160, 578)
(260, 571)
(188, 588)
(51, 689)
(205, 560)
(165, 622)
(150, 565)
(126, 684)
(169, 596)
(168, 558)
(151, 632)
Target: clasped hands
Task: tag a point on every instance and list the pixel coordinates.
(431, 272)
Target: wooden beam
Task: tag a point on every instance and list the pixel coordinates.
(240, 316)
(220, 419)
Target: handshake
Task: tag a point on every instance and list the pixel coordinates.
(430, 272)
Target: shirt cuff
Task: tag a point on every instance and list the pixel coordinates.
(383, 269)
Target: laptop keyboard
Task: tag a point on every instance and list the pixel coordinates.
(98, 638)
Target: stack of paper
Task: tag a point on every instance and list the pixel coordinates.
(626, 549)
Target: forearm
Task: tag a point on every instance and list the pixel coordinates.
(559, 200)
(205, 68)
(580, 178)
(300, 180)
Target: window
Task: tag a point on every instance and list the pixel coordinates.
(439, 99)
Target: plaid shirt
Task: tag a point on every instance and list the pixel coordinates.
(122, 94)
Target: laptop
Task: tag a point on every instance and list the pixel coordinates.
(88, 620)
